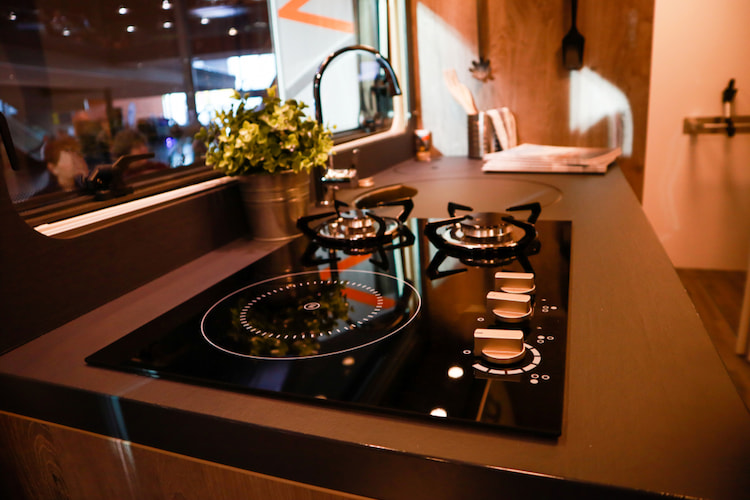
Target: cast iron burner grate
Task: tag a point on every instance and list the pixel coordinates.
(487, 239)
(355, 231)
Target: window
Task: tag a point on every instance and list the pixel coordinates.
(84, 82)
(305, 38)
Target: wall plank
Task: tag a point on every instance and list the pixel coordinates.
(40, 460)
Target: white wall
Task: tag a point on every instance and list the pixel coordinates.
(697, 190)
(442, 48)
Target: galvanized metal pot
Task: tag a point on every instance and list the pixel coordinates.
(274, 202)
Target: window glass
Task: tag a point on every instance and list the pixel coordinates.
(354, 94)
(85, 82)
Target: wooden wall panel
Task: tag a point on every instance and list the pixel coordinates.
(40, 461)
(525, 50)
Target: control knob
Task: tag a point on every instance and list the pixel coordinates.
(510, 307)
(511, 282)
(499, 346)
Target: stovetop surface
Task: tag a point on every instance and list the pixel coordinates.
(369, 334)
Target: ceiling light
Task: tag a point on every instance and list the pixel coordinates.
(219, 11)
(167, 24)
(123, 10)
(232, 31)
(455, 372)
(204, 20)
(65, 32)
(12, 16)
(130, 29)
(166, 5)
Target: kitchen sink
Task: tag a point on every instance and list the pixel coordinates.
(504, 193)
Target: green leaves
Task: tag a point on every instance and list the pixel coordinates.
(275, 136)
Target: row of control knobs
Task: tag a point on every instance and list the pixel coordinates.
(510, 302)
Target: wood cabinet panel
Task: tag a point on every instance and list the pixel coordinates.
(41, 460)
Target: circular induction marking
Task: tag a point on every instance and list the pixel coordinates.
(254, 316)
(305, 315)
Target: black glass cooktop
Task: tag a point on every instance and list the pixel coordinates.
(370, 333)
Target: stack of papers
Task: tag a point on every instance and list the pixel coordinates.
(538, 158)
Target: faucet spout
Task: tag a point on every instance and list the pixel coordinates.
(322, 178)
(394, 89)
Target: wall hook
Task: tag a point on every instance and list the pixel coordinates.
(481, 69)
(728, 123)
(727, 99)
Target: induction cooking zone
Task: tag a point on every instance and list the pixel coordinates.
(460, 320)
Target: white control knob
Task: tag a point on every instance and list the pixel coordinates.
(499, 346)
(510, 307)
(514, 282)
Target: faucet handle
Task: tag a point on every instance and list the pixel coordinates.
(341, 176)
(345, 177)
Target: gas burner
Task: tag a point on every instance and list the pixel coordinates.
(482, 238)
(483, 235)
(482, 230)
(357, 224)
(354, 228)
(356, 232)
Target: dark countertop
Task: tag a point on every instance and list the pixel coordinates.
(649, 406)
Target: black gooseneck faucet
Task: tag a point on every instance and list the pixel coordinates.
(393, 89)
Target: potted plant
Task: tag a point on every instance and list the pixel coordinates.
(271, 149)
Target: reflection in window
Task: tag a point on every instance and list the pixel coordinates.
(121, 77)
(354, 93)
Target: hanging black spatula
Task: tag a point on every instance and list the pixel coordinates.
(572, 47)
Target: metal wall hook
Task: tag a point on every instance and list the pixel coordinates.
(481, 69)
(729, 123)
(727, 96)
(727, 99)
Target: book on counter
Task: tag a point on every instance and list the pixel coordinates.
(554, 159)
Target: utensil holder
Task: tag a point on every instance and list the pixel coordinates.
(481, 135)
